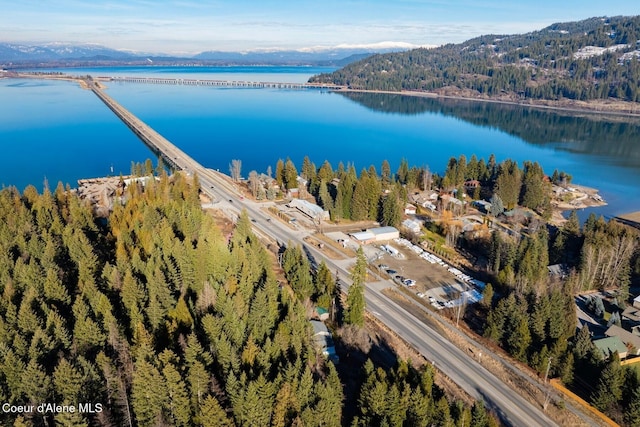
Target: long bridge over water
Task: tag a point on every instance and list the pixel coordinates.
(171, 154)
(220, 83)
(159, 144)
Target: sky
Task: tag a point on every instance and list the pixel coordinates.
(190, 26)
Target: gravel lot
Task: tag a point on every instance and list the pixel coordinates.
(431, 279)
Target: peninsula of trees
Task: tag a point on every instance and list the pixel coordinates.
(594, 59)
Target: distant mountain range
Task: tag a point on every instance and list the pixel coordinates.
(593, 59)
(10, 52)
(13, 54)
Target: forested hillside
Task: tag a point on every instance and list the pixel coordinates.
(597, 58)
(156, 319)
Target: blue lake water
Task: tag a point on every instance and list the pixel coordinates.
(59, 131)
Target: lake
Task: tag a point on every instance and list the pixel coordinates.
(57, 131)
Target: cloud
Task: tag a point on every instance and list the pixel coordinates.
(372, 46)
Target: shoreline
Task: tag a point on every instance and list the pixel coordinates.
(609, 108)
(585, 197)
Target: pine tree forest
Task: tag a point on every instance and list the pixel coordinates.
(154, 318)
(548, 64)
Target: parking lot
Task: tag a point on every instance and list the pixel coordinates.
(426, 275)
(431, 279)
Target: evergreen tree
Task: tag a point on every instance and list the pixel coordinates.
(609, 388)
(308, 172)
(325, 198)
(325, 286)
(325, 173)
(385, 172)
(360, 205)
(497, 207)
(178, 409)
(149, 394)
(442, 413)
(280, 173)
(68, 382)
(508, 183)
(487, 296)
(354, 314)
(403, 172)
(535, 191)
(391, 212)
(70, 419)
(345, 191)
(632, 414)
(519, 338)
(212, 414)
(35, 384)
(289, 175)
(478, 414)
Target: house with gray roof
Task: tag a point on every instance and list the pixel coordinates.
(323, 341)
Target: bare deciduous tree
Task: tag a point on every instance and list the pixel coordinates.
(254, 183)
(235, 167)
(355, 337)
(426, 178)
(603, 263)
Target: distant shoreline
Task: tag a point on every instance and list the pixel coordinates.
(609, 108)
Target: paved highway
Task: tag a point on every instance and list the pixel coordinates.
(461, 368)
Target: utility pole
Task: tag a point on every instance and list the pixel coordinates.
(461, 306)
(547, 395)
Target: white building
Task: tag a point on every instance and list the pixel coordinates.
(312, 210)
(409, 209)
(384, 233)
(364, 237)
(379, 234)
(412, 225)
(429, 205)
